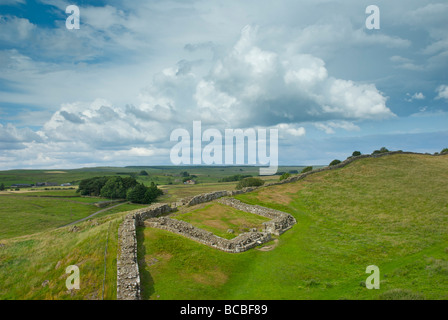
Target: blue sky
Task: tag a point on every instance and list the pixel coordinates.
(111, 92)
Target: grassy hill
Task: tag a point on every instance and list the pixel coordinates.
(391, 212)
(34, 266)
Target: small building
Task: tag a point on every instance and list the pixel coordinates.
(68, 184)
(190, 182)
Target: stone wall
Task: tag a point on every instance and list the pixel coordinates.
(242, 242)
(206, 197)
(280, 221)
(128, 276)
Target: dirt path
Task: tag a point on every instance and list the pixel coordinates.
(93, 214)
(269, 248)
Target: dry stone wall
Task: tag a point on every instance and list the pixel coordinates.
(280, 221)
(242, 242)
(128, 276)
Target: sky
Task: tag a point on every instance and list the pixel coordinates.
(111, 92)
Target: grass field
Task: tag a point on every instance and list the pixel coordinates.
(219, 218)
(391, 212)
(33, 212)
(34, 266)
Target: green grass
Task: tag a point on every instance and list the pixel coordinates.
(218, 218)
(33, 212)
(27, 262)
(21, 215)
(391, 212)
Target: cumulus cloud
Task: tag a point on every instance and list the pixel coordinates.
(415, 96)
(251, 85)
(442, 92)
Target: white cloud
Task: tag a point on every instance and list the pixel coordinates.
(415, 96)
(442, 92)
(292, 130)
(285, 87)
(329, 126)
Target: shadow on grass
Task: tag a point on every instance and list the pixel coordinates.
(146, 281)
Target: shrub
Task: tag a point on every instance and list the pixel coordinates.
(356, 153)
(382, 150)
(284, 176)
(249, 182)
(307, 169)
(143, 173)
(335, 162)
(444, 150)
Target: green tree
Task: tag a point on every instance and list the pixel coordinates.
(249, 182)
(284, 176)
(143, 173)
(137, 193)
(2, 187)
(114, 189)
(335, 162)
(444, 150)
(356, 153)
(382, 150)
(92, 186)
(307, 169)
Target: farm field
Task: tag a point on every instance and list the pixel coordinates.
(391, 212)
(25, 213)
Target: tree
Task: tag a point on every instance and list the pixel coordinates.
(249, 182)
(307, 169)
(284, 176)
(356, 153)
(92, 186)
(444, 150)
(137, 193)
(184, 174)
(114, 189)
(335, 162)
(143, 173)
(382, 150)
(2, 187)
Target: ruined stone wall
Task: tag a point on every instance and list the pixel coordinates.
(242, 242)
(280, 221)
(206, 197)
(128, 276)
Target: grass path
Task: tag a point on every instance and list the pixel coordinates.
(94, 214)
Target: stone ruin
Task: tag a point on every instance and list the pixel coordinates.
(242, 242)
(279, 223)
(128, 278)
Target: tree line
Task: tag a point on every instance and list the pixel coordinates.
(119, 188)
